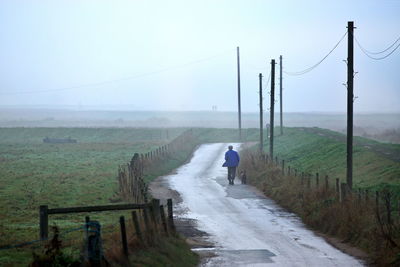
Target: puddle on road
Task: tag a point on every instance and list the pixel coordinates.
(236, 257)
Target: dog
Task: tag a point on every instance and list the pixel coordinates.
(243, 177)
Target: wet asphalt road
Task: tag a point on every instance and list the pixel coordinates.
(246, 228)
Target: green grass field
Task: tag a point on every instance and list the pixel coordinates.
(318, 150)
(33, 173)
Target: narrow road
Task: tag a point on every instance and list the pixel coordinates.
(246, 228)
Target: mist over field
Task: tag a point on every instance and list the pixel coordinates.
(383, 126)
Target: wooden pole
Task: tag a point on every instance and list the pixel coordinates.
(280, 93)
(170, 214)
(350, 99)
(238, 83)
(272, 104)
(123, 235)
(43, 222)
(261, 113)
(163, 219)
(136, 224)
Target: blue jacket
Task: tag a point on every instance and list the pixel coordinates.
(231, 158)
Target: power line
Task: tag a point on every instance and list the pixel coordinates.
(296, 73)
(368, 53)
(117, 80)
(380, 52)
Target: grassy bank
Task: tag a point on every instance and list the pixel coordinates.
(318, 150)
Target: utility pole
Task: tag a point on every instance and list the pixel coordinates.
(350, 99)
(271, 123)
(261, 115)
(280, 91)
(238, 80)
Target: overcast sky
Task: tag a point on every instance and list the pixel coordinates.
(181, 55)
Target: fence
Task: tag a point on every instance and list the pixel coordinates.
(132, 186)
(329, 205)
(150, 221)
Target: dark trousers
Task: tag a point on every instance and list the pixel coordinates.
(231, 174)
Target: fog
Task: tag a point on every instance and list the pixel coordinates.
(181, 55)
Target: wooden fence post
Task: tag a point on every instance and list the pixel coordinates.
(136, 224)
(43, 222)
(388, 203)
(366, 195)
(302, 178)
(326, 182)
(156, 208)
(337, 188)
(170, 214)
(295, 172)
(343, 191)
(317, 179)
(283, 167)
(123, 235)
(163, 219)
(309, 181)
(147, 224)
(288, 170)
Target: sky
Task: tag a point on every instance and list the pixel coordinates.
(181, 55)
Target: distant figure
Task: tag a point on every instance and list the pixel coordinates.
(231, 161)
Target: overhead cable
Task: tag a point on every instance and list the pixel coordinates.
(296, 73)
(368, 53)
(132, 77)
(380, 52)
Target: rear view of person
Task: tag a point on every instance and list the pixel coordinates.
(231, 161)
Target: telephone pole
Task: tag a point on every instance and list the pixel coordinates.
(271, 123)
(261, 114)
(350, 99)
(280, 91)
(238, 80)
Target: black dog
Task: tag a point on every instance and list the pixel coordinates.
(243, 177)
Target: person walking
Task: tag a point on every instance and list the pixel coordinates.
(231, 161)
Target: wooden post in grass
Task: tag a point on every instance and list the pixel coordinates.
(326, 182)
(147, 224)
(366, 195)
(123, 235)
(163, 219)
(388, 203)
(337, 188)
(156, 208)
(317, 180)
(276, 160)
(288, 170)
(295, 172)
(343, 189)
(309, 181)
(136, 224)
(170, 215)
(283, 167)
(302, 178)
(43, 222)
(153, 220)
